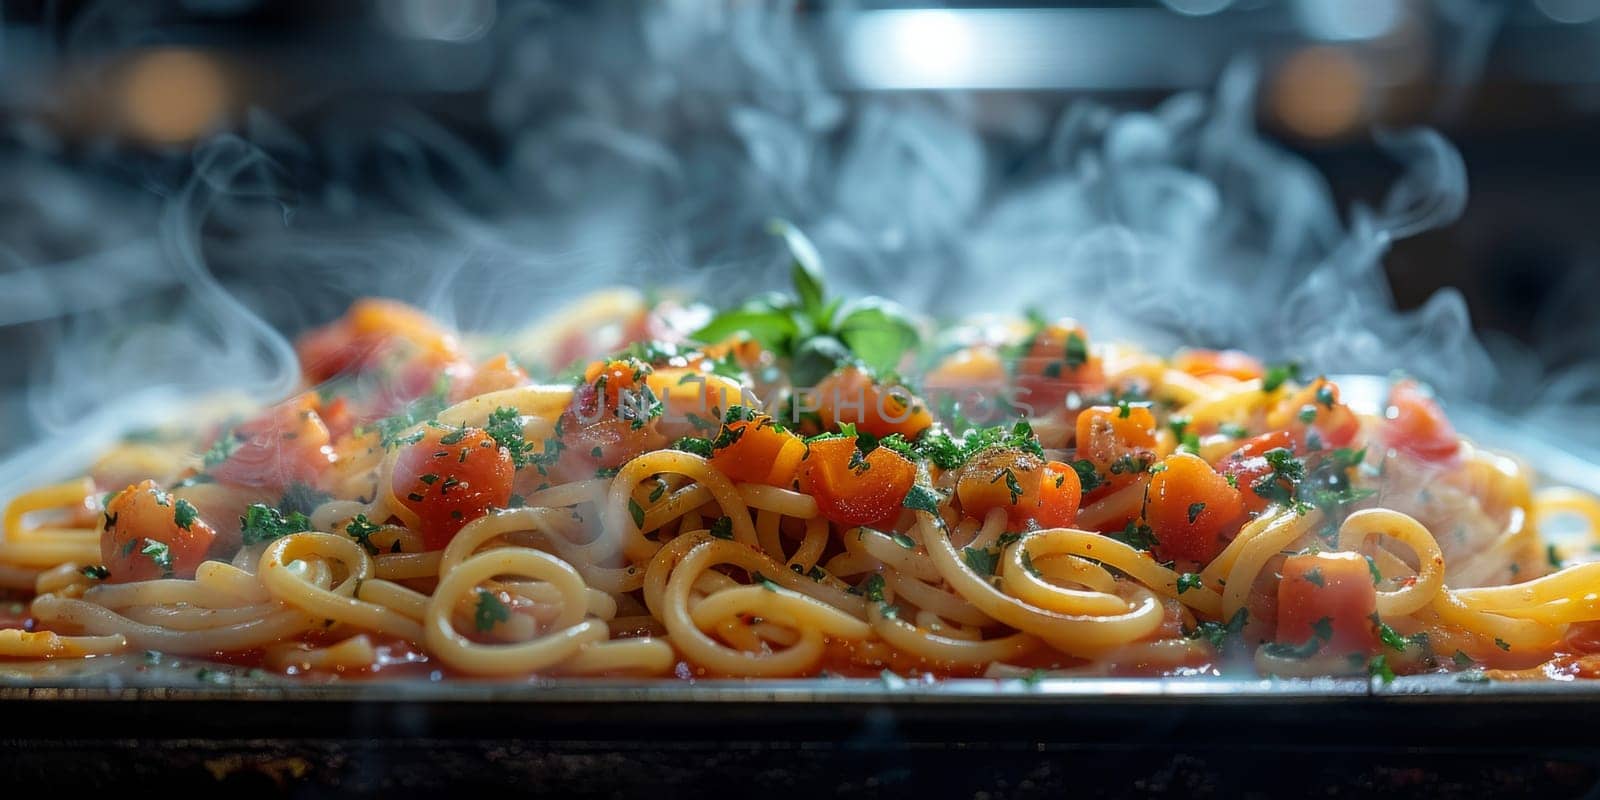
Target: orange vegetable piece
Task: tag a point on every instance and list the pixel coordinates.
(1248, 464)
(1055, 363)
(1188, 507)
(1315, 415)
(1059, 496)
(757, 451)
(451, 477)
(1120, 441)
(1232, 363)
(693, 402)
(149, 534)
(286, 444)
(850, 396)
(1336, 587)
(371, 330)
(851, 490)
(1001, 477)
(1415, 424)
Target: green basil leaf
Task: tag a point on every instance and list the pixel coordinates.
(806, 272)
(816, 357)
(774, 329)
(878, 332)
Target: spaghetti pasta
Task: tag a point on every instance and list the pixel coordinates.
(631, 521)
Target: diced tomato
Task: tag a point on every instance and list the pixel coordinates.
(1189, 506)
(1057, 362)
(1415, 425)
(852, 491)
(757, 451)
(851, 396)
(451, 477)
(371, 331)
(966, 368)
(1001, 477)
(1316, 416)
(287, 444)
(604, 384)
(149, 535)
(586, 448)
(1120, 441)
(1248, 465)
(1026, 486)
(1336, 587)
(1059, 496)
(1232, 363)
(693, 402)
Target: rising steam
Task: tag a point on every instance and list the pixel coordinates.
(650, 150)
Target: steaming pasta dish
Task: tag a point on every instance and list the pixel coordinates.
(765, 496)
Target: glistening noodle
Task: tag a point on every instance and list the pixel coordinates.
(419, 508)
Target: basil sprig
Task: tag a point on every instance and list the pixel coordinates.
(817, 335)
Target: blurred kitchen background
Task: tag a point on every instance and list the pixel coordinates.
(390, 117)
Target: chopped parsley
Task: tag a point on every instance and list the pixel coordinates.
(221, 449)
(1379, 668)
(1088, 477)
(361, 529)
(1502, 644)
(1279, 374)
(1077, 351)
(489, 612)
(1217, 633)
(1027, 564)
(1189, 580)
(1012, 487)
(691, 444)
(1194, 511)
(1388, 635)
(637, 512)
(1314, 576)
(722, 528)
(1321, 632)
(96, 572)
(1232, 430)
(921, 498)
(872, 588)
(728, 437)
(903, 540)
(505, 427)
(982, 561)
(392, 431)
(765, 582)
(159, 554)
(1281, 483)
(1136, 535)
(263, 523)
(1188, 441)
(949, 452)
(184, 514)
(302, 498)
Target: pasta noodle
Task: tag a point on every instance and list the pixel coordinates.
(654, 517)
